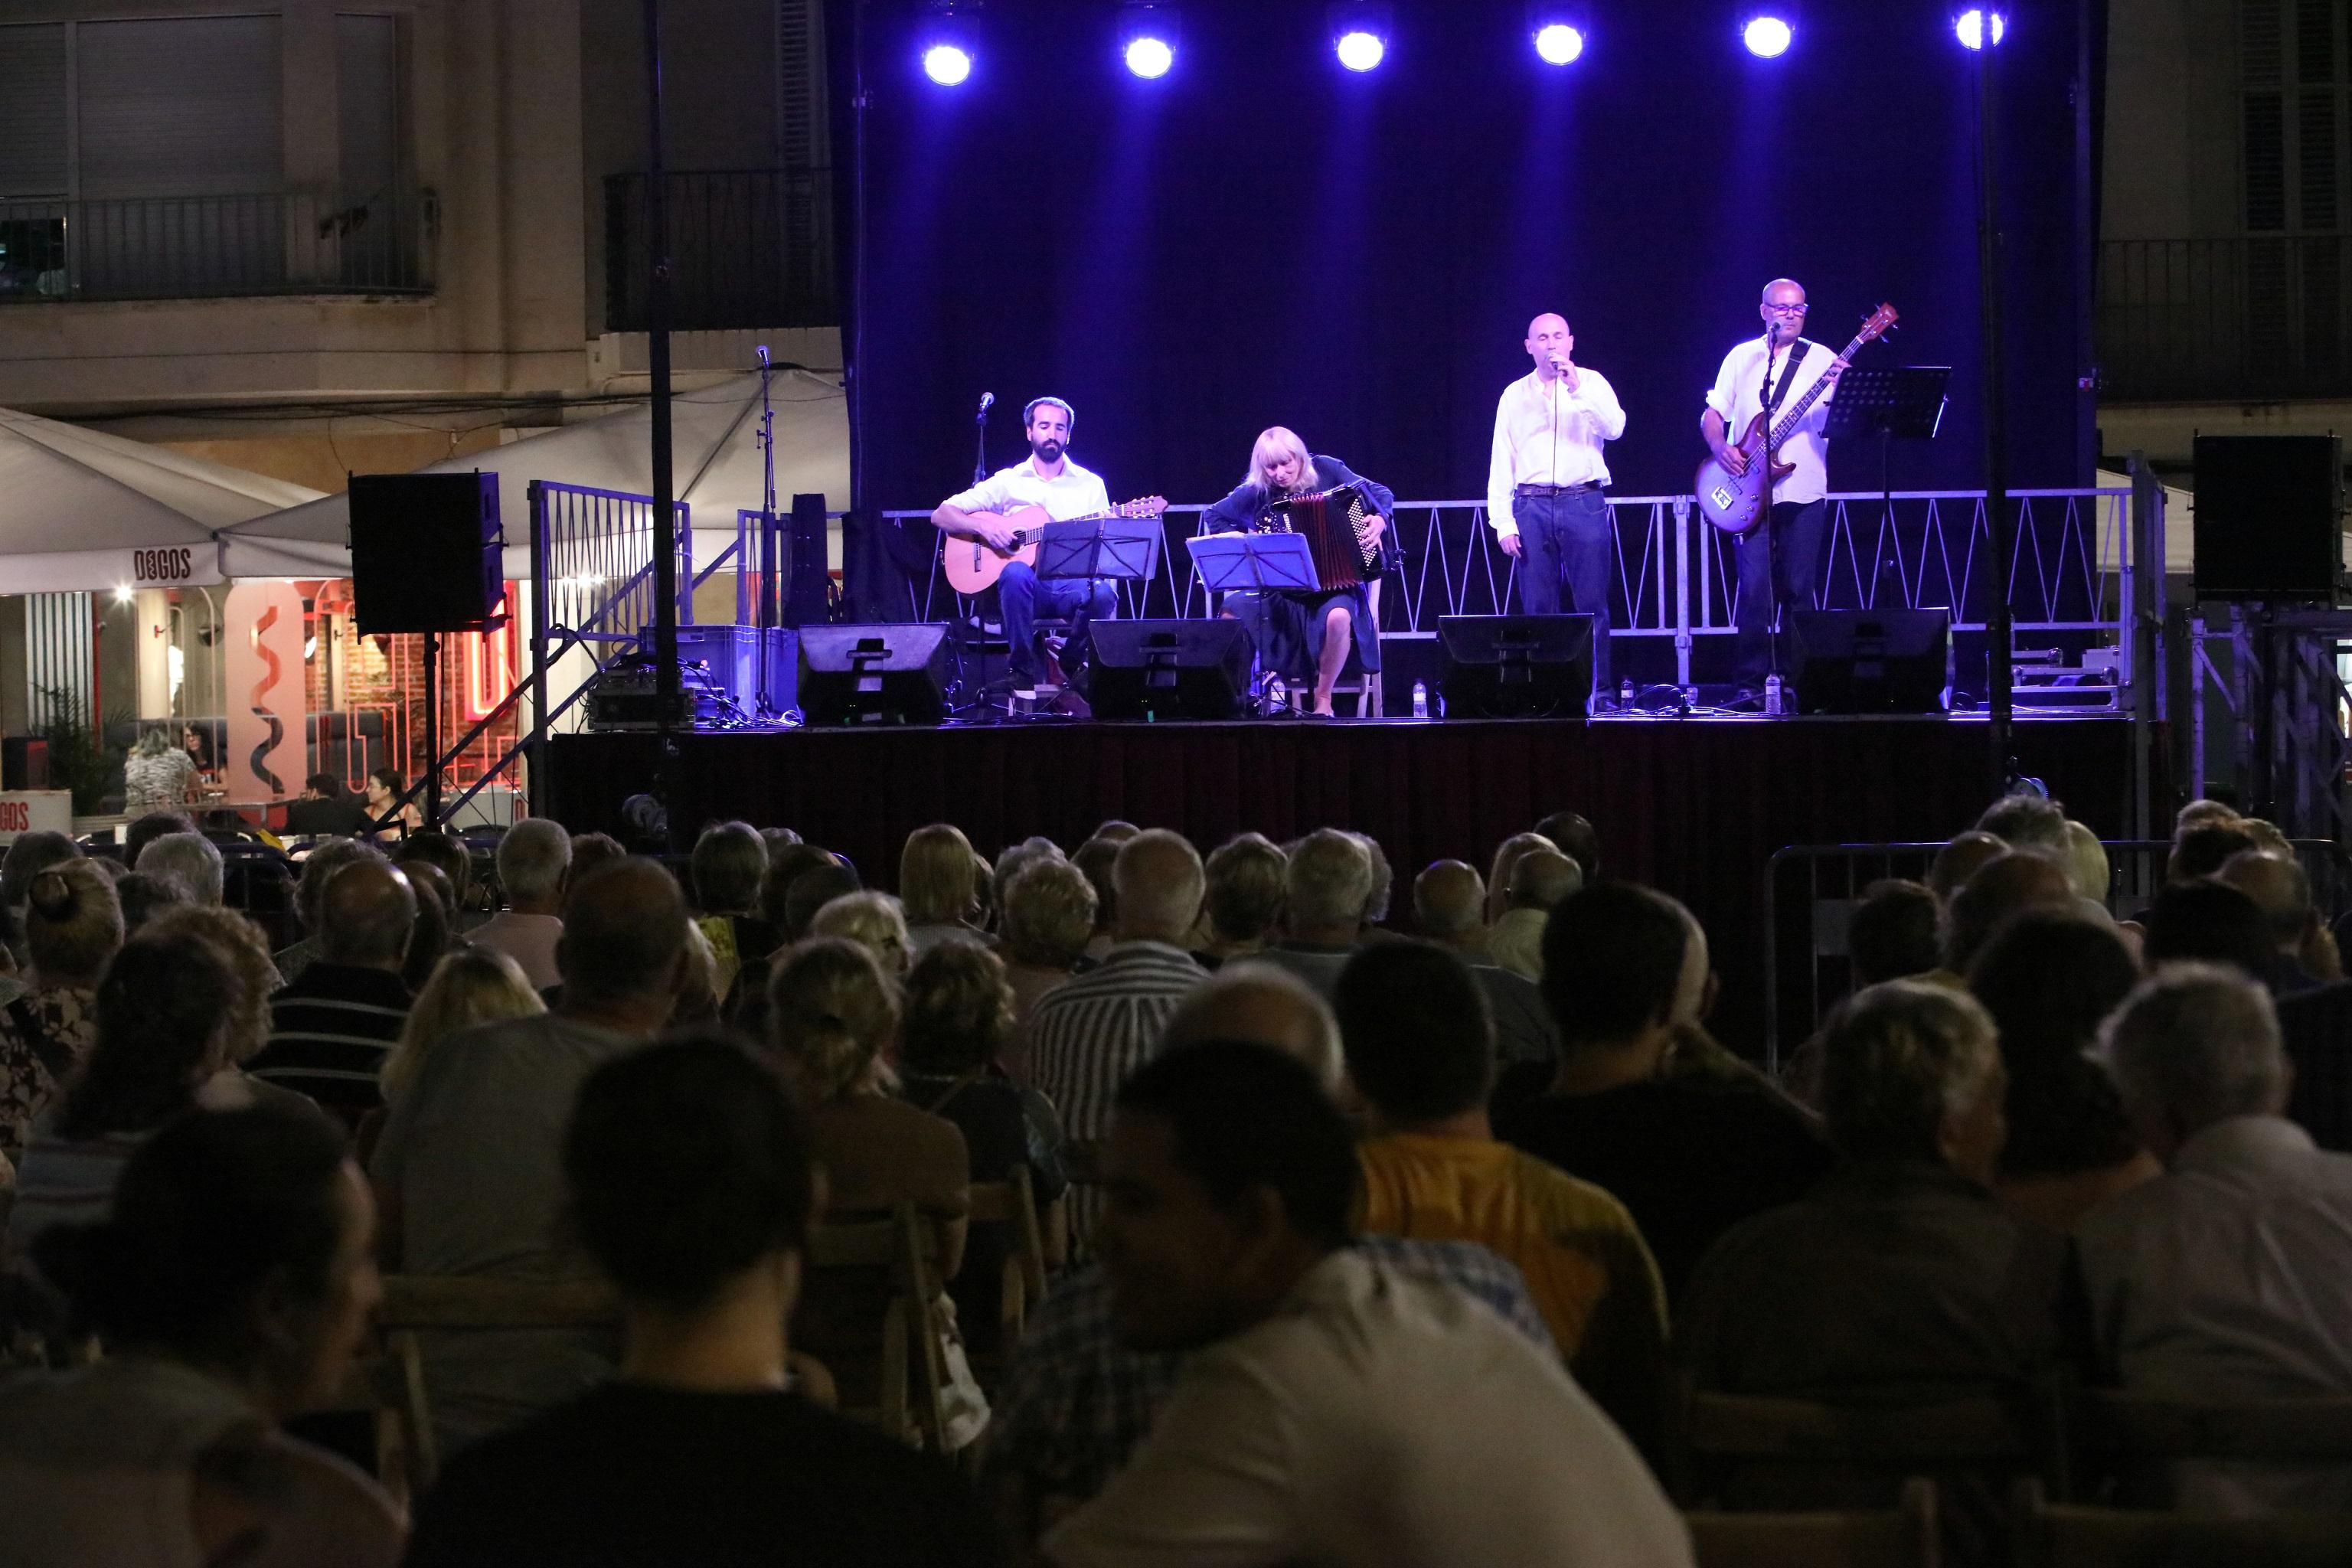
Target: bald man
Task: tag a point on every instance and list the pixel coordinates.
(1545, 479)
(330, 1029)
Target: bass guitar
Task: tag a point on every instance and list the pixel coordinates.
(973, 565)
(1736, 503)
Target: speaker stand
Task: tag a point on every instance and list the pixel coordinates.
(432, 730)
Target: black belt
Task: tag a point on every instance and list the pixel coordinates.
(1538, 492)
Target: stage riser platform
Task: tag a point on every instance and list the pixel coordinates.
(1696, 807)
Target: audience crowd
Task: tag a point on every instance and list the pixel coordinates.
(1350, 1239)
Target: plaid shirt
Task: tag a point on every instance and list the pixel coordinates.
(1075, 1403)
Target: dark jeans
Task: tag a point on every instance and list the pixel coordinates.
(1021, 596)
(1572, 534)
(1779, 570)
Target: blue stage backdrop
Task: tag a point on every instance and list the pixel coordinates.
(1263, 238)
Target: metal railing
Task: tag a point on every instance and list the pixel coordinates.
(749, 247)
(216, 246)
(2255, 317)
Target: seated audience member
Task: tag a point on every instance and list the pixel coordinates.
(73, 927)
(814, 889)
(142, 897)
(447, 854)
(1958, 860)
(2224, 1278)
(2048, 977)
(436, 907)
(240, 945)
(231, 1283)
(325, 811)
(2281, 888)
(938, 884)
(1096, 858)
(330, 1030)
(466, 1168)
(958, 1020)
(1086, 1035)
(144, 830)
(189, 858)
(785, 866)
(1376, 902)
(2086, 864)
(1325, 889)
(2026, 822)
(1243, 902)
(1688, 1156)
(533, 859)
(1049, 915)
(2211, 923)
(1575, 837)
(2204, 848)
(317, 868)
(1449, 909)
(874, 922)
(1074, 1402)
(692, 1181)
(2004, 887)
(1893, 933)
(1541, 878)
(1015, 859)
(730, 860)
(2200, 811)
(30, 854)
(591, 851)
(1498, 873)
(1421, 1053)
(472, 987)
(164, 1013)
(1320, 1417)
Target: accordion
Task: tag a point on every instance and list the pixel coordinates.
(1334, 525)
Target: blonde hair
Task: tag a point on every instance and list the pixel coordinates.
(1506, 858)
(938, 875)
(2087, 862)
(958, 1012)
(472, 986)
(1274, 444)
(73, 923)
(244, 950)
(1049, 913)
(830, 1009)
(874, 922)
(1896, 1059)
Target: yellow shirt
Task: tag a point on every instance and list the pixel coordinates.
(1585, 1263)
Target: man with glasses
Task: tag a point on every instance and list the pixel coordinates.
(1779, 563)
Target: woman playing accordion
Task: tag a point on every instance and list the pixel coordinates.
(1345, 516)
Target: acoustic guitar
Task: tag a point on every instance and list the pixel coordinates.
(1735, 503)
(975, 565)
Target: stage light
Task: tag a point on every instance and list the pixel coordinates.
(1148, 38)
(1561, 29)
(1359, 35)
(1559, 44)
(949, 46)
(1768, 38)
(947, 65)
(1970, 28)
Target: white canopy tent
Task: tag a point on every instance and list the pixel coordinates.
(84, 511)
(717, 467)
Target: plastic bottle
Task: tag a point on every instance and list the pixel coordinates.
(1772, 695)
(1624, 694)
(1421, 700)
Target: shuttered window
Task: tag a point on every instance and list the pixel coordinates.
(33, 144)
(180, 106)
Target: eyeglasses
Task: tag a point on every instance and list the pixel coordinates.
(1786, 310)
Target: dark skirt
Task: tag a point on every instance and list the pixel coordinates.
(1289, 629)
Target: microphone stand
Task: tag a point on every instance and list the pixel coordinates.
(980, 463)
(1764, 519)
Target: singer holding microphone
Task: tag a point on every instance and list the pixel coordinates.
(1545, 480)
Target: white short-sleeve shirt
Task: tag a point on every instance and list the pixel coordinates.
(1739, 393)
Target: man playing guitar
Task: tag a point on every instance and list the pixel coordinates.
(1048, 479)
(1779, 563)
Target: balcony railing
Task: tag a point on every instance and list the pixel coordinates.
(2258, 318)
(750, 247)
(211, 248)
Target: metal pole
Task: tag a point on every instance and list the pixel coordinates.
(535, 779)
(1998, 656)
(657, 319)
(854, 361)
(431, 729)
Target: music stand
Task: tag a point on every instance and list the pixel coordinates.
(1903, 401)
(1101, 547)
(1254, 562)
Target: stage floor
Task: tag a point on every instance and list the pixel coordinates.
(1696, 806)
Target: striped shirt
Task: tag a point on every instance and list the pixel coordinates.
(329, 1035)
(66, 1181)
(1086, 1036)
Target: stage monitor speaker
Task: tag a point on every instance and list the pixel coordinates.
(1516, 666)
(744, 662)
(1169, 669)
(891, 673)
(2270, 517)
(424, 551)
(24, 762)
(1868, 661)
(808, 576)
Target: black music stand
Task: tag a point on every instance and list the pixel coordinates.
(1254, 562)
(1124, 547)
(1893, 401)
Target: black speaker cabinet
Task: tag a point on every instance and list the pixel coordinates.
(1868, 661)
(1516, 666)
(424, 551)
(1169, 669)
(2270, 517)
(809, 576)
(25, 762)
(893, 673)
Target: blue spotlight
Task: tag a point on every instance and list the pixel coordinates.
(1147, 38)
(1970, 27)
(1361, 51)
(947, 64)
(1768, 38)
(949, 48)
(1360, 34)
(1559, 44)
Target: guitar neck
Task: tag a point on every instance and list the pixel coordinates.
(1788, 425)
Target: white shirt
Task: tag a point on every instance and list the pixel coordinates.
(1546, 434)
(1072, 493)
(1739, 393)
(2227, 1279)
(1377, 1421)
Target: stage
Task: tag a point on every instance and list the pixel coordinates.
(1695, 806)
